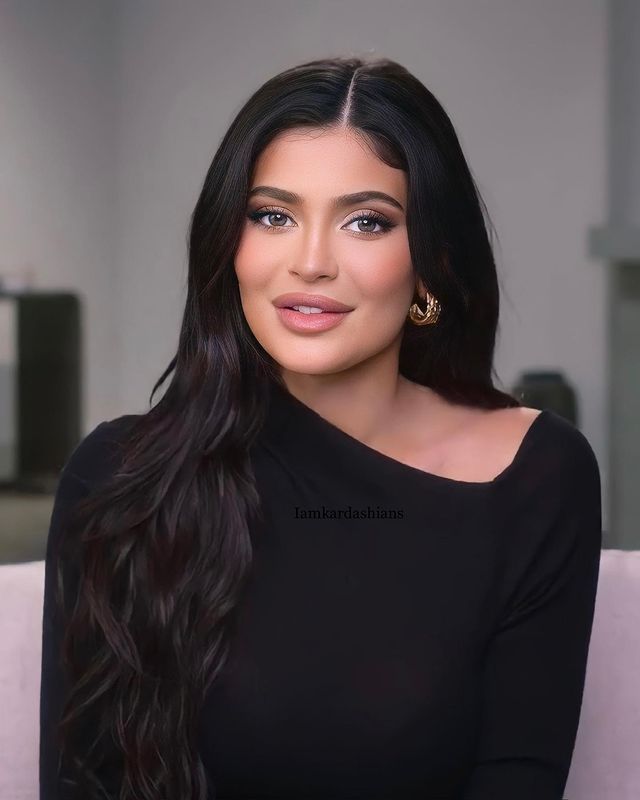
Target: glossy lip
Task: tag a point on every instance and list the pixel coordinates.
(313, 300)
(299, 322)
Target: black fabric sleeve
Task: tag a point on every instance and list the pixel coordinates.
(87, 464)
(535, 665)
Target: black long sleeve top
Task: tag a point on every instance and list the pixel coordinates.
(403, 634)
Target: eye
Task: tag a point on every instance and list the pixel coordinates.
(257, 216)
(372, 218)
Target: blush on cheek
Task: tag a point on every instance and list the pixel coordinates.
(385, 282)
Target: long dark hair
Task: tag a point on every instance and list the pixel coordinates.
(163, 548)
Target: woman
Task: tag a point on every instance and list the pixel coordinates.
(333, 560)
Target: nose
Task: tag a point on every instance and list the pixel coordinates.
(314, 257)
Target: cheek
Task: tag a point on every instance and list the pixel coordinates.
(251, 263)
(244, 260)
(383, 270)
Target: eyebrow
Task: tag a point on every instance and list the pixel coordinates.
(341, 201)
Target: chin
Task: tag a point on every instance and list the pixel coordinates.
(306, 365)
(307, 368)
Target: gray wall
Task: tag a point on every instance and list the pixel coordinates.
(57, 159)
(116, 110)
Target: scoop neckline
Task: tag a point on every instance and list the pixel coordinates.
(390, 463)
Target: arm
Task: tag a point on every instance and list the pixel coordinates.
(74, 483)
(536, 661)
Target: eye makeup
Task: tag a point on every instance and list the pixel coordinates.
(385, 224)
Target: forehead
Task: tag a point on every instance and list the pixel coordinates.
(327, 161)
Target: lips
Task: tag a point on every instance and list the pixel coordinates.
(314, 300)
(310, 323)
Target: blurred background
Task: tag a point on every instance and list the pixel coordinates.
(110, 113)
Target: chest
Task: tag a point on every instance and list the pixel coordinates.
(357, 651)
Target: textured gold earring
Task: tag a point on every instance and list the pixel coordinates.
(427, 317)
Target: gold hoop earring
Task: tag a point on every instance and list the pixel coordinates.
(427, 317)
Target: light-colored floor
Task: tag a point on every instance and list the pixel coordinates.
(24, 525)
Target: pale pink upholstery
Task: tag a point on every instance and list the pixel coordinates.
(21, 592)
(606, 761)
(606, 758)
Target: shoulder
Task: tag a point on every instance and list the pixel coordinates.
(493, 441)
(541, 443)
(505, 427)
(557, 473)
(96, 455)
(558, 446)
(91, 462)
(555, 509)
(486, 444)
(565, 448)
(539, 449)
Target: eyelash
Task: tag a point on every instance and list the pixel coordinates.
(385, 224)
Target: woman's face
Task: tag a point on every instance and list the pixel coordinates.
(308, 245)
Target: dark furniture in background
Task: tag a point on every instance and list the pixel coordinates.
(45, 382)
